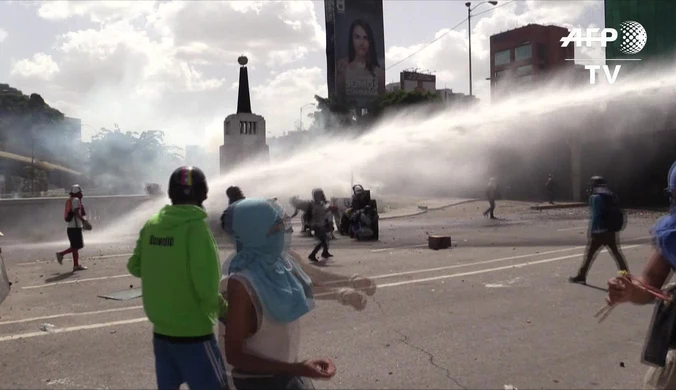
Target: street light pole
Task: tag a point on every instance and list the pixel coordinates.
(469, 33)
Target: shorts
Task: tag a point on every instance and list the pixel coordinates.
(75, 238)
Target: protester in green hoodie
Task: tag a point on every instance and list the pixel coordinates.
(176, 258)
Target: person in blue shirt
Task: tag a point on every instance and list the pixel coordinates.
(661, 263)
(600, 233)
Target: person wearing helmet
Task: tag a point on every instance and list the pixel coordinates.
(606, 221)
(176, 258)
(74, 215)
(234, 194)
(491, 195)
(319, 213)
(659, 350)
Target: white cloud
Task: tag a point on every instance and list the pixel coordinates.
(41, 66)
(97, 11)
(276, 33)
(150, 70)
(448, 57)
(3, 35)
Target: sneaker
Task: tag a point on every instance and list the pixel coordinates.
(59, 258)
(326, 255)
(313, 258)
(578, 279)
(79, 268)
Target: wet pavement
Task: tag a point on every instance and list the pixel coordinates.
(496, 309)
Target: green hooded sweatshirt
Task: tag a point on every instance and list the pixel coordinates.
(176, 258)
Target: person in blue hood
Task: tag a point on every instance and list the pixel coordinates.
(267, 294)
(661, 264)
(606, 221)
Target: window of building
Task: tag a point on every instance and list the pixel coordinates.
(524, 70)
(523, 52)
(253, 127)
(241, 127)
(227, 128)
(502, 57)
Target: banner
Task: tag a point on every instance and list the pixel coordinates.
(359, 51)
(418, 82)
(330, 15)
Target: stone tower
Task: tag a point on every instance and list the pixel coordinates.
(244, 132)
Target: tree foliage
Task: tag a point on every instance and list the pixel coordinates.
(124, 161)
(331, 114)
(21, 114)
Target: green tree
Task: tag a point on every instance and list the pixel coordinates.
(122, 162)
(397, 100)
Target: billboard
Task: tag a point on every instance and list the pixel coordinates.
(418, 82)
(330, 16)
(358, 54)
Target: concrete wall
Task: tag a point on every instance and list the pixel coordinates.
(39, 219)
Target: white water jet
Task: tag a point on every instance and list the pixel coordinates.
(448, 151)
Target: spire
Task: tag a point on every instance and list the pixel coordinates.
(243, 98)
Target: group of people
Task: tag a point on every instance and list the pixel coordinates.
(268, 290)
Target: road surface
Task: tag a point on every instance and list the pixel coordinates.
(494, 310)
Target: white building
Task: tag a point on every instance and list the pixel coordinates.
(243, 132)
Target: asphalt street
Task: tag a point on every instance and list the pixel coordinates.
(496, 309)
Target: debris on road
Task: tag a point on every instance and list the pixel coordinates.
(439, 242)
(47, 327)
(510, 387)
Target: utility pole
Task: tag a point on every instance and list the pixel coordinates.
(469, 33)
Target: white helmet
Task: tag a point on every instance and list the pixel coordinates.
(75, 189)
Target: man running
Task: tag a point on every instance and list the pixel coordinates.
(606, 221)
(74, 215)
(176, 258)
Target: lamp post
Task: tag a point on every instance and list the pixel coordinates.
(301, 114)
(469, 33)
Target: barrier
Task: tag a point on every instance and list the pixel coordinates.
(40, 219)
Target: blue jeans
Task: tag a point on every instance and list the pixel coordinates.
(197, 363)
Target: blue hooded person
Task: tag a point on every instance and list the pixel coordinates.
(267, 293)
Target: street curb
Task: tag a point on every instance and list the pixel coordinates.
(559, 206)
(428, 209)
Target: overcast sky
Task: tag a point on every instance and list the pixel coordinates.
(172, 66)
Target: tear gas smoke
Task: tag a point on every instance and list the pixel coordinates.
(449, 152)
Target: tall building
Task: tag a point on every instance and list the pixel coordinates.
(525, 54)
(656, 17)
(243, 132)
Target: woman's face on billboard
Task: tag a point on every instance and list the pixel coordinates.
(360, 41)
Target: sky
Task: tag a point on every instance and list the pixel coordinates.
(172, 66)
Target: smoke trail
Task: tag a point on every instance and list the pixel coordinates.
(451, 151)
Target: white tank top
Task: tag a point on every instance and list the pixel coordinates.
(273, 340)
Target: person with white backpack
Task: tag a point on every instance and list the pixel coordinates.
(75, 216)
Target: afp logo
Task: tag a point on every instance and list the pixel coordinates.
(632, 38)
(632, 35)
